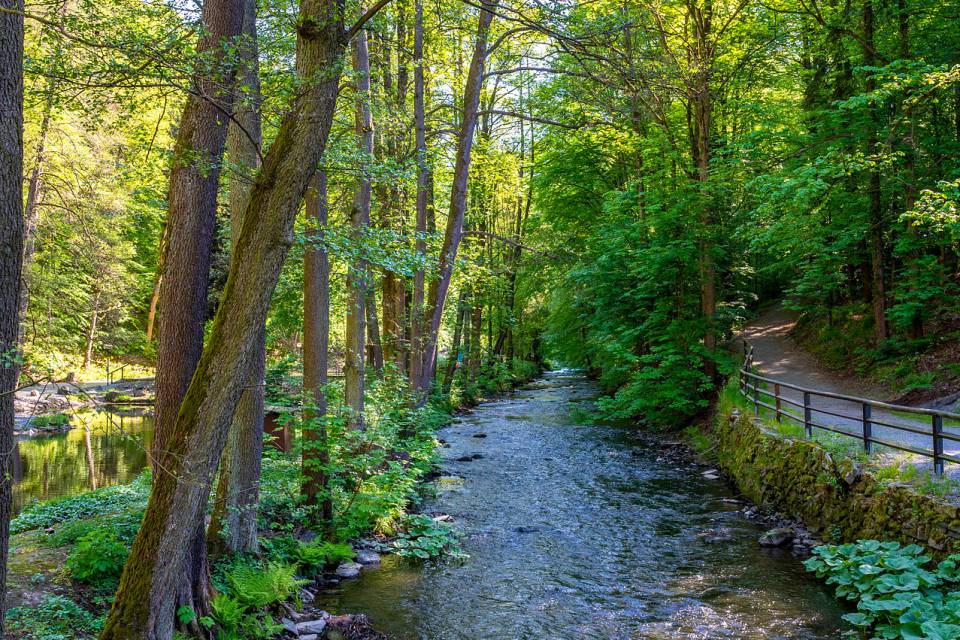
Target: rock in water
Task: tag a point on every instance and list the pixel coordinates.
(349, 569)
(778, 537)
(366, 556)
(313, 626)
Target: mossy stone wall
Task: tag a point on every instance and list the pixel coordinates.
(834, 499)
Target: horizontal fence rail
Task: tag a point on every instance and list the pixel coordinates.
(858, 416)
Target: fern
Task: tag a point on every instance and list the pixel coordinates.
(258, 586)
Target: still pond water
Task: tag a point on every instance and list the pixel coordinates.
(100, 450)
(582, 532)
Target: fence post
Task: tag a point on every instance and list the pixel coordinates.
(807, 418)
(867, 427)
(776, 396)
(756, 397)
(937, 445)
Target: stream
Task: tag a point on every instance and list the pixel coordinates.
(578, 531)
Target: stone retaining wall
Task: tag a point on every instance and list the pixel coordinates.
(834, 499)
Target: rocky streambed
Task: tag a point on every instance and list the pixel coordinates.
(577, 531)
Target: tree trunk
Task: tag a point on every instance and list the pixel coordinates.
(875, 233)
(11, 256)
(91, 331)
(316, 343)
(233, 525)
(424, 179)
(375, 355)
(144, 606)
(357, 278)
(458, 193)
(462, 312)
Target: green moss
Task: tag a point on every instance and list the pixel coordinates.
(830, 493)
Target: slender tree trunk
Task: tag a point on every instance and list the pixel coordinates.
(463, 311)
(91, 330)
(11, 257)
(233, 525)
(375, 349)
(877, 224)
(458, 194)
(316, 344)
(357, 278)
(424, 179)
(701, 108)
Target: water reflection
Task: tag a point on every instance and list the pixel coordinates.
(100, 450)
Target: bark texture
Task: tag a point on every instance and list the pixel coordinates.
(357, 278)
(11, 255)
(144, 607)
(316, 345)
(458, 194)
(233, 526)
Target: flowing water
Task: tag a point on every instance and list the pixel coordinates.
(101, 449)
(583, 532)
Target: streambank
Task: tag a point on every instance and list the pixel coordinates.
(836, 499)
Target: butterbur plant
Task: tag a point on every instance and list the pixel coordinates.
(424, 538)
(899, 593)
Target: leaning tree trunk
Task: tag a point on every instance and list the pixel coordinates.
(353, 370)
(316, 343)
(144, 606)
(191, 219)
(458, 194)
(11, 254)
(233, 525)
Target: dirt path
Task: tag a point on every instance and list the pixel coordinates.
(776, 355)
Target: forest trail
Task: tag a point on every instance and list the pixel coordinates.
(777, 355)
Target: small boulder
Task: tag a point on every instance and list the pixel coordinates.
(711, 474)
(311, 626)
(779, 537)
(289, 626)
(715, 536)
(853, 475)
(368, 556)
(349, 569)
(479, 435)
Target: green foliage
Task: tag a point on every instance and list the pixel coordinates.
(257, 585)
(54, 618)
(123, 525)
(898, 592)
(232, 620)
(421, 537)
(314, 556)
(55, 420)
(98, 558)
(106, 501)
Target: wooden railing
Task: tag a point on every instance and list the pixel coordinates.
(768, 393)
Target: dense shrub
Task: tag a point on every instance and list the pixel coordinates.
(98, 558)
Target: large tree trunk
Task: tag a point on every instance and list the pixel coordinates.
(424, 179)
(144, 607)
(11, 255)
(358, 276)
(233, 526)
(375, 349)
(191, 219)
(458, 193)
(316, 343)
